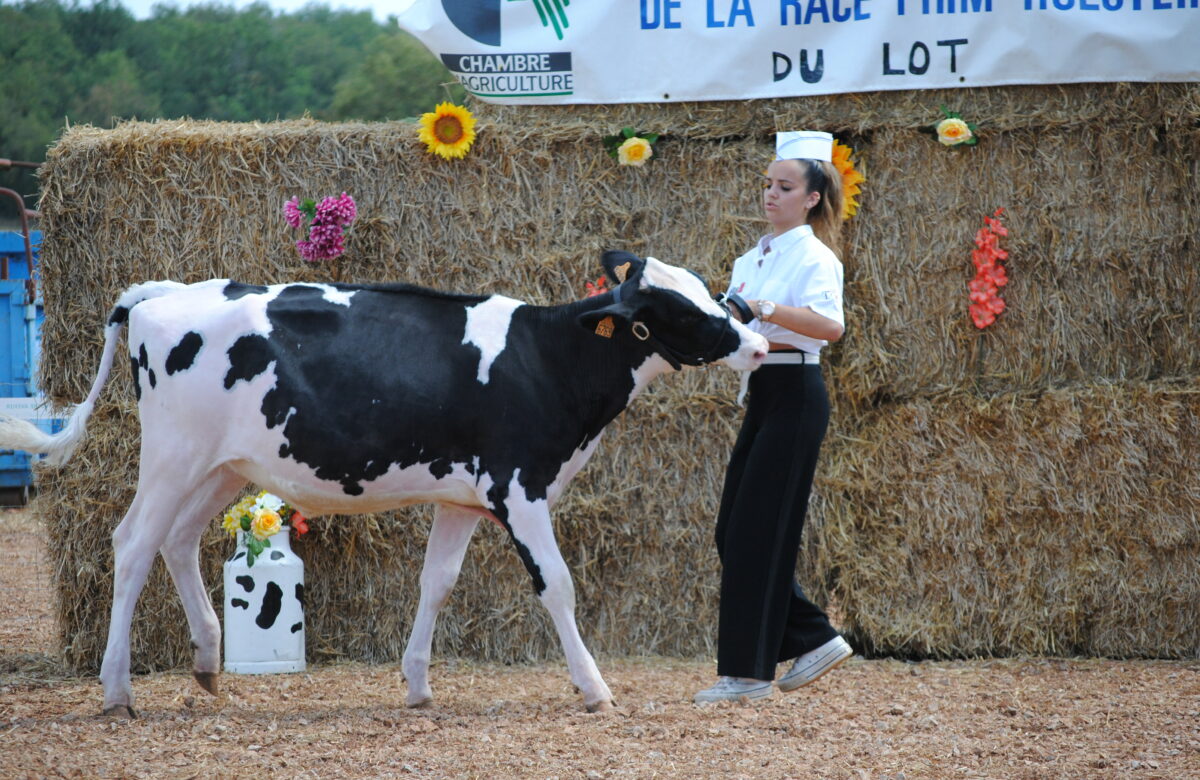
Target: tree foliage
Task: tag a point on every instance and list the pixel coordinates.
(66, 62)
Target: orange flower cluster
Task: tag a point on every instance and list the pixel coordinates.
(599, 288)
(990, 276)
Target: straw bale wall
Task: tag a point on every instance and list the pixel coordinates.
(1061, 523)
(946, 440)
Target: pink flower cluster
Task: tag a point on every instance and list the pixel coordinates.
(292, 213)
(990, 276)
(327, 225)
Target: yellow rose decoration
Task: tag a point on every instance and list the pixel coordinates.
(953, 131)
(630, 146)
(266, 523)
(634, 151)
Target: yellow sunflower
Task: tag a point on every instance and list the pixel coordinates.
(850, 178)
(448, 131)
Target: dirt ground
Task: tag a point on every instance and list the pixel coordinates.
(869, 719)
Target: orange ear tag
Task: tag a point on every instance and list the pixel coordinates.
(605, 327)
(621, 271)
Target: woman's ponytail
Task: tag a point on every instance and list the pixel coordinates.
(826, 217)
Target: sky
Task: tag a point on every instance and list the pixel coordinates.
(379, 8)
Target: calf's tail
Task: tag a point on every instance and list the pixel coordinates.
(17, 434)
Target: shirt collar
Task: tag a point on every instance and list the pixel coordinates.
(784, 241)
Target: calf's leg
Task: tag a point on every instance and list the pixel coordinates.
(181, 553)
(448, 538)
(135, 541)
(533, 535)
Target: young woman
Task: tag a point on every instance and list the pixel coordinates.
(791, 286)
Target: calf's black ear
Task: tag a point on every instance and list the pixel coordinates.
(621, 266)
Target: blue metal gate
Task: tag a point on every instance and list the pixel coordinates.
(20, 345)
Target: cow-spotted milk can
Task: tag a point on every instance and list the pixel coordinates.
(264, 609)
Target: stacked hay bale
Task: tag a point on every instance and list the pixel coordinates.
(1025, 489)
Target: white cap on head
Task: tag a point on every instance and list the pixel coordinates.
(804, 145)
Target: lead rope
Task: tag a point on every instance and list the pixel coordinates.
(745, 315)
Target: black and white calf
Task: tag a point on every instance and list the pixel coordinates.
(362, 398)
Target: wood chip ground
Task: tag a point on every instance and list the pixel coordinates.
(869, 720)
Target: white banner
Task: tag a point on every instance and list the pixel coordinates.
(634, 51)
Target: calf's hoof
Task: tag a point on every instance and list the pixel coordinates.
(418, 701)
(207, 680)
(604, 705)
(120, 711)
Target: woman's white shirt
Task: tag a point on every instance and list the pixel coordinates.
(791, 269)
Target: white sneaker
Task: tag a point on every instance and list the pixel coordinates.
(815, 663)
(734, 689)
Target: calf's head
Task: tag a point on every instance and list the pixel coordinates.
(672, 310)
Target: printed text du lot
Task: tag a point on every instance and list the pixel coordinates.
(920, 58)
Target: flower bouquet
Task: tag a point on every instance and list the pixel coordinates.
(260, 517)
